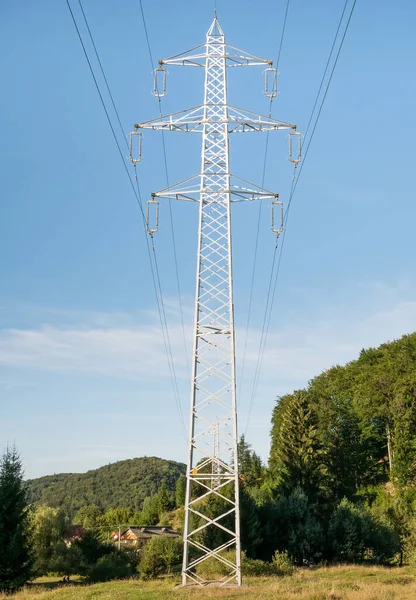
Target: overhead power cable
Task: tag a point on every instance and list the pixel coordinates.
(175, 254)
(282, 37)
(150, 250)
(321, 105)
(276, 265)
(260, 210)
(102, 70)
(305, 135)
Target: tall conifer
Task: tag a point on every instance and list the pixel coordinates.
(15, 555)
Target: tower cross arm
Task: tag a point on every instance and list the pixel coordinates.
(241, 58)
(185, 120)
(239, 190)
(242, 121)
(196, 57)
(194, 119)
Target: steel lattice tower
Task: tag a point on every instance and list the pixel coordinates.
(212, 516)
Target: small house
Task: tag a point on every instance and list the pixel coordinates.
(138, 535)
(72, 533)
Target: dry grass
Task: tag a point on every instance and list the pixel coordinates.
(333, 583)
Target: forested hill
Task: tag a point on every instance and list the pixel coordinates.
(354, 426)
(341, 480)
(121, 484)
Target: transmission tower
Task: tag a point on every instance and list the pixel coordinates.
(212, 515)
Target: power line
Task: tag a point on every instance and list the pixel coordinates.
(266, 322)
(305, 135)
(254, 269)
(322, 103)
(105, 109)
(102, 69)
(154, 268)
(275, 275)
(158, 288)
(175, 254)
(283, 34)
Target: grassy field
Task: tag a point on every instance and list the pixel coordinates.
(334, 583)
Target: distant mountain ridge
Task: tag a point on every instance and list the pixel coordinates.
(121, 484)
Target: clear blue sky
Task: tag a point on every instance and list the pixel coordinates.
(83, 374)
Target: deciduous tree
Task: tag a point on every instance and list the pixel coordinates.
(47, 527)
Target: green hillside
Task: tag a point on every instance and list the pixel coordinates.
(121, 484)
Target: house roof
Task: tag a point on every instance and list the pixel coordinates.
(148, 532)
(74, 532)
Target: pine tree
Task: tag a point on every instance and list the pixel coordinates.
(165, 501)
(250, 466)
(151, 511)
(180, 492)
(15, 554)
(297, 457)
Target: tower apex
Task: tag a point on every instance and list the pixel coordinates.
(215, 29)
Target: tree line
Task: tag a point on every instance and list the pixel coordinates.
(341, 480)
(340, 486)
(34, 538)
(125, 483)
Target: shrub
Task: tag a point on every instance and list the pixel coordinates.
(93, 560)
(409, 545)
(295, 529)
(213, 569)
(91, 549)
(66, 560)
(357, 535)
(160, 555)
(282, 562)
(398, 512)
(254, 567)
(112, 566)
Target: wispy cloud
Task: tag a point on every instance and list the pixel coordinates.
(304, 348)
(126, 352)
(129, 348)
(132, 347)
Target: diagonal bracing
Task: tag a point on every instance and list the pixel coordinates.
(212, 515)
